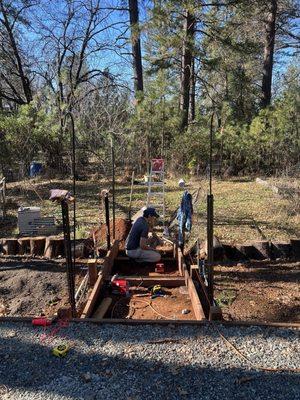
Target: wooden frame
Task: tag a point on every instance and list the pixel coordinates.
(103, 274)
(184, 279)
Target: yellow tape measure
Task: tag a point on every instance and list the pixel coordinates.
(61, 350)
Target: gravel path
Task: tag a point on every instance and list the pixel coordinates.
(120, 362)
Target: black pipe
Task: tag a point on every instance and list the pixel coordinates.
(210, 220)
(68, 252)
(106, 207)
(210, 246)
(113, 188)
(73, 143)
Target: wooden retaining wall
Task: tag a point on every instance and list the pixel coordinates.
(42, 246)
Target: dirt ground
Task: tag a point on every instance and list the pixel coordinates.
(122, 228)
(32, 288)
(169, 307)
(265, 291)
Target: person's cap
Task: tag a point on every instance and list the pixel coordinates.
(150, 212)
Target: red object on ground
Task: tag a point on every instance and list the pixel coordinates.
(120, 286)
(160, 268)
(41, 322)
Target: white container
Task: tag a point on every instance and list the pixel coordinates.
(26, 217)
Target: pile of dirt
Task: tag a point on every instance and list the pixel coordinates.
(122, 228)
(32, 288)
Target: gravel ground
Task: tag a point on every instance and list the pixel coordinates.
(120, 362)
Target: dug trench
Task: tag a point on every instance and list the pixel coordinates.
(177, 299)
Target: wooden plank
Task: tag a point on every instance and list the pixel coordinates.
(88, 309)
(280, 325)
(92, 271)
(125, 258)
(180, 261)
(161, 280)
(101, 310)
(10, 246)
(24, 245)
(109, 259)
(173, 322)
(102, 276)
(37, 245)
(197, 307)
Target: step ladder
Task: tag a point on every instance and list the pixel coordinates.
(156, 187)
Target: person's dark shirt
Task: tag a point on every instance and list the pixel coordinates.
(140, 229)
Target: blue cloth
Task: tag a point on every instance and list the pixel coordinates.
(184, 216)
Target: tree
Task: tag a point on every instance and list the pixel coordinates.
(270, 31)
(187, 67)
(136, 46)
(15, 71)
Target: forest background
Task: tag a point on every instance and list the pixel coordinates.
(154, 77)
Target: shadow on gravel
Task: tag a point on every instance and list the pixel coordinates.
(30, 371)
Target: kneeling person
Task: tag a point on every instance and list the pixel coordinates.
(137, 246)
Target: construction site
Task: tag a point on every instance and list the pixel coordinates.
(55, 280)
(149, 200)
(201, 277)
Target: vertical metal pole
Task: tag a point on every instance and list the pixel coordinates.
(113, 188)
(130, 199)
(210, 221)
(73, 143)
(70, 265)
(210, 246)
(106, 210)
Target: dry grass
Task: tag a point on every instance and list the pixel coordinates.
(244, 210)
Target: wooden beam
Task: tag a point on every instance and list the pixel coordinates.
(92, 271)
(103, 275)
(93, 297)
(102, 309)
(196, 303)
(109, 259)
(163, 281)
(295, 324)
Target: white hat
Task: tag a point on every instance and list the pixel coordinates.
(181, 183)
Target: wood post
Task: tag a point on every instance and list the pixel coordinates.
(54, 247)
(215, 313)
(92, 271)
(295, 243)
(10, 246)
(37, 246)
(24, 245)
(261, 250)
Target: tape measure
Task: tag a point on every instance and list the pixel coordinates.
(61, 350)
(156, 289)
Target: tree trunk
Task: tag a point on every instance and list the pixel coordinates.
(25, 83)
(136, 46)
(192, 112)
(270, 30)
(186, 66)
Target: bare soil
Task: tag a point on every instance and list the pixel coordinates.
(32, 287)
(122, 228)
(169, 307)
(264, 291)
